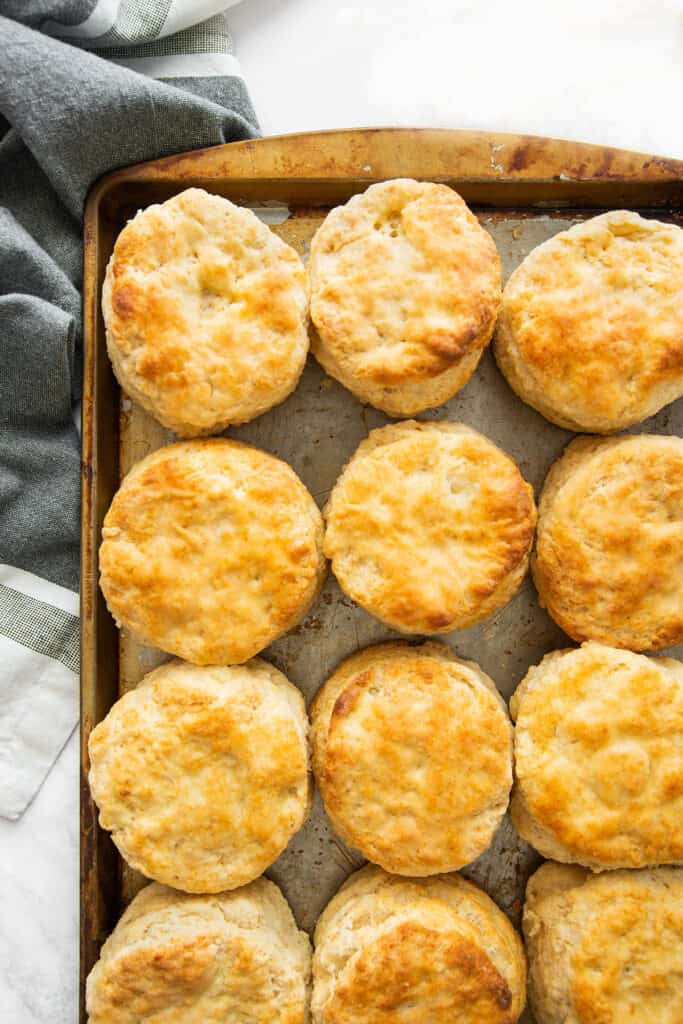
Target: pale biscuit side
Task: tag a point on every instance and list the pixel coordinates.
(604, 947)
(395, 946)
(203, 959)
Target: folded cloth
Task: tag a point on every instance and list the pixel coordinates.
(169, 83)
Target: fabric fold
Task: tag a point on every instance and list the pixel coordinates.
(68, 116)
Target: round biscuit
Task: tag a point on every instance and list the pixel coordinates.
(415, 951)
(429, 526)
(598, 768)
(211, 549)
(608, 563)
(206, 311)
(405, 289)
(201, 774)
(590, 331)
(412, 753)
(605, 947)
(203, 960)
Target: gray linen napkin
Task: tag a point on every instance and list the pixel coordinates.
(66, 117)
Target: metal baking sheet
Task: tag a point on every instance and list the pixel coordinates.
(316, 430)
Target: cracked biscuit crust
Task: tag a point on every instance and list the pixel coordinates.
(210, 550)
(206, 313)
(429, 526)
(405, 289)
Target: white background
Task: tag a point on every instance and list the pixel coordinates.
(605, 72)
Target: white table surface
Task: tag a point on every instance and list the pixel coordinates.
(605, 71)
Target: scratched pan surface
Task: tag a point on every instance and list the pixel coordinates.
(321, 424)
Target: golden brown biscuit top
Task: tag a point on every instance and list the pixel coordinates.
(641, 934)
(412, 751)
(596, 314)
(426, 523)
(609, 554)
(428, 950)
(404, 282)
(201, 774)
(202, 960)
(210, 550)
(424, 967)
(620, 939)
(598, 754)
(206, 312)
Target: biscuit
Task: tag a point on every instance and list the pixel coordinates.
(201, 774)
(205, 312)
(412, 753)
(598, 766)
(210, 550)
(605, 949)
(405, 289)
(590, 331)
(234, 956)
(429, 526)
(608, 562)
(415, 951)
